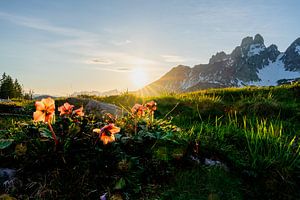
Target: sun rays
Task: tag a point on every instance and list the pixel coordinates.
(139, 77)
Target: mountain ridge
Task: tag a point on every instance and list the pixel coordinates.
(96, 93)
(250, 63)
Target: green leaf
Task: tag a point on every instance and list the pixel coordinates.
(118, 136)
(177, 153)
(162, 153)
(4, 143)
(45, 132)
(73, 129)
(120, 184)
(2, 132)
(67, 144)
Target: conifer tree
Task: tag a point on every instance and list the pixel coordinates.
(10, 88)
(7, 88)
(17, 92)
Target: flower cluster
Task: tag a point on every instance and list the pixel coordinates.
(67, 109)
(139, 110)
(45, 112)
(152, 106)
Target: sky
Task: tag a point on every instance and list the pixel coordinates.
(58, 47)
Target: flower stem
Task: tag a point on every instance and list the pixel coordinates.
(152, 117)
(53, 134)
(135, 126)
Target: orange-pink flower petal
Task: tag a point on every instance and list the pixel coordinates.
(138, 110)
(107, 139)
(65, 109)
(49, 104)
(39, 105)
(38, 116)
(107, 133)
(152, 105)
(79, 112)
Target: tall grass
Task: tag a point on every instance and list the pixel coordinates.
(268, 147)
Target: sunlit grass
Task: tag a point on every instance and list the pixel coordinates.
(254, 131)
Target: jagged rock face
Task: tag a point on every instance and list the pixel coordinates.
(273, 52)
(291, 57)
(220, 56)
(258, 39)
(251, 63)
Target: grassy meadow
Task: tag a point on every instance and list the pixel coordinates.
(233, 143)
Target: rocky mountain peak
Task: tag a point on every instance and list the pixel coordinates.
(178, 72)
(272, 47)
(272, 52)
(297, 41)
(247, 41)
(258, 39)
(180, 67)
(294, 47)
(250, 47)
(220, 56)
(291, 56)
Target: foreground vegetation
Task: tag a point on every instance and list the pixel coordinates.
(235, 143)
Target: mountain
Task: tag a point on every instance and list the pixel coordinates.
(96, 93)
(43, 96)
(251, 63)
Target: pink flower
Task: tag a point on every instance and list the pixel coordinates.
(138, 110)
(152, 105)
(107, 133)
(65, 109)
(79, 112)
(45, 110)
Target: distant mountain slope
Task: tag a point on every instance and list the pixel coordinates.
(96, 93)
(251, 63)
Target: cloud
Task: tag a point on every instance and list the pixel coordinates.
(42, 25)
(100, 61)
(120, 69)
(124, 69)
(173, 58)
(73, 40)
(121, 43)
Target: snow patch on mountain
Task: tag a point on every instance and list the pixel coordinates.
(297, 50)
(256, 49)
(270, 74)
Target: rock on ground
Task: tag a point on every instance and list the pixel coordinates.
(97, 108)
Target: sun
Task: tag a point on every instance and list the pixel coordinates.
(139, 77)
